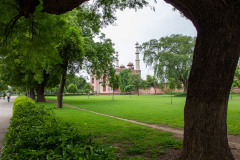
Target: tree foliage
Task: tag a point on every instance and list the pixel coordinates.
(29, 54)
(172, 86)
(124, 77)
(101, 11)
(136, 81)
(72, 88)
(129, 88)
(78, 81)
(214, 64)
(151, 81)
(114, 83)
(88, 88)
(170, 57)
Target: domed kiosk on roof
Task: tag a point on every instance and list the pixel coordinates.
(122, 66)
(130, 64)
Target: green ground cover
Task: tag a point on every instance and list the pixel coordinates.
(152, 109)
(131, 139)
(36, 134)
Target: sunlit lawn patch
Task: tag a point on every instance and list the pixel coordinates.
(131, 139)
(152, 109)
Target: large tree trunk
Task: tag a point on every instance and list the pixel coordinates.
(32, 94)
(185, 86)
(40, 93)
(205, 114)
(61, 87)
(40, 88)
(214, 62)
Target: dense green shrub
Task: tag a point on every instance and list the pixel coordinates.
(35, 133)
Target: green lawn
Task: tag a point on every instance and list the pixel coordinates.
(133, 140)
(153, 109)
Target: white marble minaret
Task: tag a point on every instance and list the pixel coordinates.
(117, 61)
(137, 58)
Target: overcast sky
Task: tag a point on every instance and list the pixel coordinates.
(141, 26)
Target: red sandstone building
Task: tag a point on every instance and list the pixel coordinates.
(103, 90)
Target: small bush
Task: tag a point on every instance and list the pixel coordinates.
(21, 104)
(35, 133)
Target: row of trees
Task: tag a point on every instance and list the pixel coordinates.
(44, 49)
(128, 81)
(215, 59)
(74, 84)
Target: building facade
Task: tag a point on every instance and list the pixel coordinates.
(106, 90)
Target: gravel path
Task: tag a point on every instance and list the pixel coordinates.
(233, 140)
(5, 116)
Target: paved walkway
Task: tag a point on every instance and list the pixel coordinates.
(5, 116)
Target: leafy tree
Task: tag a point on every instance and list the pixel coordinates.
(136, 81)
(129, 89)
(29, 54)
(179, 85)
(215, 59)
(172, 85)
(26, 8)
(88, 88)
(72, 53)
(3, 86)
(17, 73)
(72, 88)
(161, 85)
(78, 81)
(170, 57)
(124, 77)
(114, 83)
(152, 82)
(143, 85)
(54, 90)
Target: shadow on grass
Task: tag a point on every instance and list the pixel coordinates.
(180, 95)
(177, 94)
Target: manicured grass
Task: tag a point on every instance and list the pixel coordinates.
(131, 139)
(233, 117)
(153, 109)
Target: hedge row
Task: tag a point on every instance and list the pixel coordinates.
(35, 133)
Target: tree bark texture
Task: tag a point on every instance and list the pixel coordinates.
(214, 62)
(32, 94)
(40, 93)
(61, 87)
(40, 88)
(185, 86)
(50, 6)
(61, 6)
